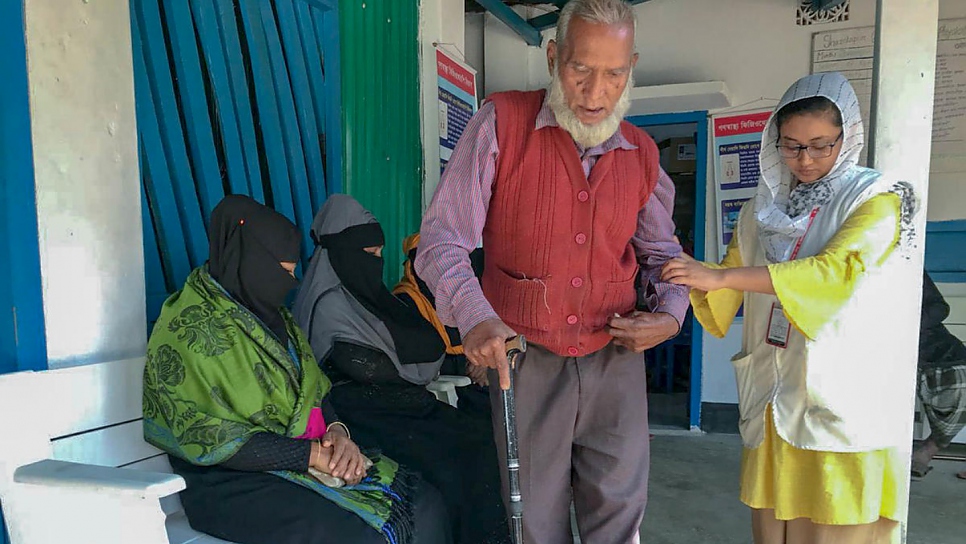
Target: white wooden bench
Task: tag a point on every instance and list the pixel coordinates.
(74, 466)
(955, 295)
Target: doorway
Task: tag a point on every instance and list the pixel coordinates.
(674, 367)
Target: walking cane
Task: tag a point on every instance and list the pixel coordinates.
(516, 349)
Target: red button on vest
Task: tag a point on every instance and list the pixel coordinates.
(572, 319)
(572, 351)
(583, 196)
(581, 239)
(576, 282)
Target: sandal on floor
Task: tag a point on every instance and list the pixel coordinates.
(919, 470)
(961, 475)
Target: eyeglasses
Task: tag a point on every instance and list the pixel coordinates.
(814, 151)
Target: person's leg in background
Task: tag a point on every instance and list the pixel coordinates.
(942, 391)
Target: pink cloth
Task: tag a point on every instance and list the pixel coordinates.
(316, 426)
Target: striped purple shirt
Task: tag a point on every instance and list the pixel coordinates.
(453, 226)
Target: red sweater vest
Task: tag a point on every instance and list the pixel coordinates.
(559, 259)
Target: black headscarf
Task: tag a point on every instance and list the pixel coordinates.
(360, 272)
(938, 348)
(247, 242)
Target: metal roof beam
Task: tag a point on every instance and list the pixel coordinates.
(516, 23)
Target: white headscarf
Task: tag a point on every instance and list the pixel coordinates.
(783, 214)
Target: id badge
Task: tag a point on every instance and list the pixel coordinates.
(778, 327)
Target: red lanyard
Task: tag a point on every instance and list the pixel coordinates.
(798, 244)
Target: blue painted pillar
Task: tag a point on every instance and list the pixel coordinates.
(22, 334)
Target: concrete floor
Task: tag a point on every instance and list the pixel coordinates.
(694, 495)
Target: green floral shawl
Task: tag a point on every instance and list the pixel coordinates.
(215, 376)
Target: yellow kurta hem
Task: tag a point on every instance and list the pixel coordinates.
(825, 487)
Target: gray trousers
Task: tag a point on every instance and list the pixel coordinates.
(583, 435)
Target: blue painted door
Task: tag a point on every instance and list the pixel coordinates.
(694, 330)
(232, 98)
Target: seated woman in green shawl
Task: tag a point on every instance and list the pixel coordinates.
(233, 394)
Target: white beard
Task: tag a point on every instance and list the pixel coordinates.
(588, 135)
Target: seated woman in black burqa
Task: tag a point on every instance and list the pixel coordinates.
(380, 354)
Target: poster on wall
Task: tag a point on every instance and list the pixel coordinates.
(457, 102)
(737, 141)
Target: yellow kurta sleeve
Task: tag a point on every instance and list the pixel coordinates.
(716, 310)
(814, 289)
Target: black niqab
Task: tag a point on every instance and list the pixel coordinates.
(360, 272)
(247, 242)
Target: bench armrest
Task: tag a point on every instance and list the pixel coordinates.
(122, 481)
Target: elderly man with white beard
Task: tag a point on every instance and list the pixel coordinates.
(574, 215)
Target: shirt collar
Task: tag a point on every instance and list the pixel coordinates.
(546, 118)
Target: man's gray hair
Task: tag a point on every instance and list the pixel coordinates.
(607, 12)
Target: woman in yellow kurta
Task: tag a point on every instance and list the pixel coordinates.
(816, 259)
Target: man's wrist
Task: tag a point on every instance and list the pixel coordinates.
(673, 326)
(470, 319)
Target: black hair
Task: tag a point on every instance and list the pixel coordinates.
(813, 105)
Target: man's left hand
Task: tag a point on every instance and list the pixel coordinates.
(641, 331)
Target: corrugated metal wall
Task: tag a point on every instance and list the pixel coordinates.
(381, 115)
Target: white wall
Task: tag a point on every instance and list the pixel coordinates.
(717, 376)
(441, 22)
(754, 46)
(473, 41)
(88, 185)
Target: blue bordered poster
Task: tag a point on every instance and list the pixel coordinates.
(457, 102)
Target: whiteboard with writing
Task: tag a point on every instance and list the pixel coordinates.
(850, 51)
(949, 112)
